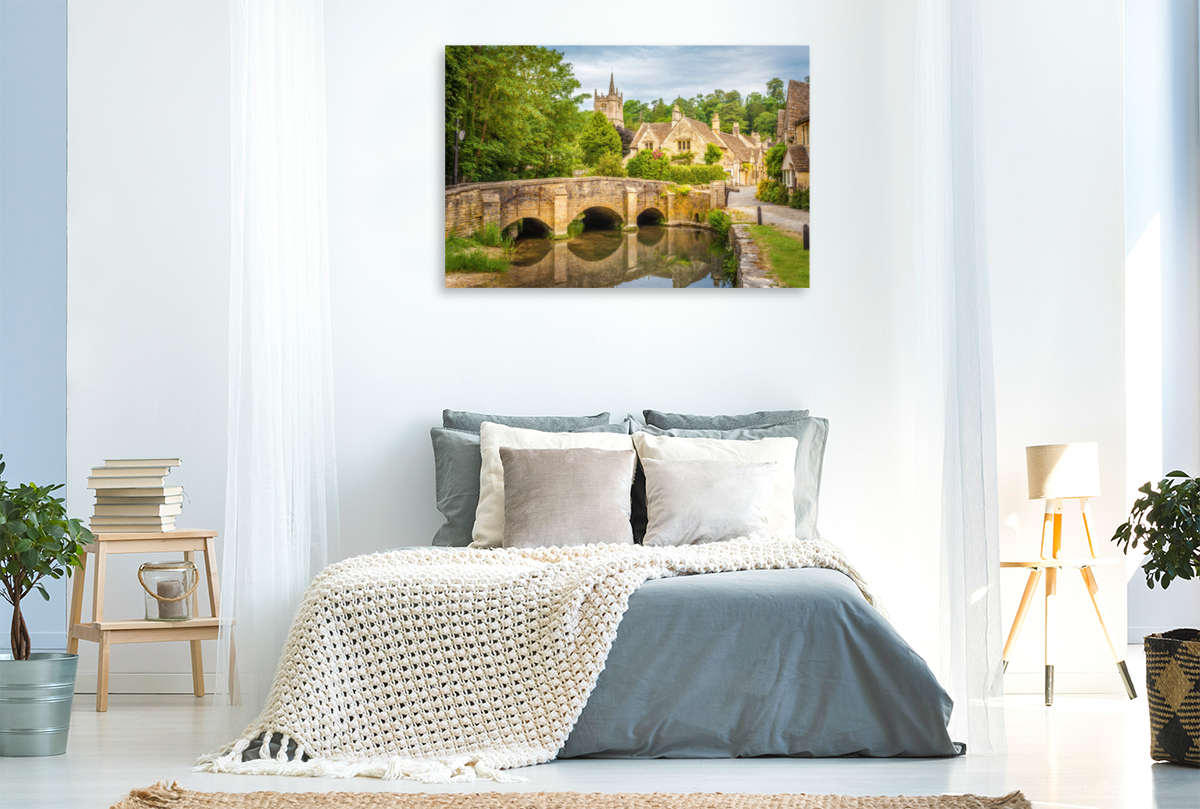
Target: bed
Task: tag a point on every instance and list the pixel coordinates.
(450, 664)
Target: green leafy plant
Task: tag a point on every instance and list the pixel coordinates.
(1166, 521)
(36, 540)
(694, 175)
(720, 221)
(712, 154)
(609, 165)
(774, 161)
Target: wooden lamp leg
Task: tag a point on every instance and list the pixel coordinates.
(1051, 605)
(1035, 576)
(1093, 588)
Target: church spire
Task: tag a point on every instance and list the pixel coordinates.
(612, 88)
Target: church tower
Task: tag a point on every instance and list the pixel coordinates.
(612, 105)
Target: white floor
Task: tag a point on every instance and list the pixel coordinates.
(1082, 752)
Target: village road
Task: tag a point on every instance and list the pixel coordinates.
(742, 199)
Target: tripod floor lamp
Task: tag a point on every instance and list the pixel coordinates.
(1059, 472)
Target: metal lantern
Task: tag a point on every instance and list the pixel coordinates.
(169, 587)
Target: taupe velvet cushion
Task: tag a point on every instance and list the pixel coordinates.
(566, 496)
(690, 502)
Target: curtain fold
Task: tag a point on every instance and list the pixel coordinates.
(956, 430)
(281, 507)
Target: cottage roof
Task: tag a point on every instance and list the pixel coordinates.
(740, 148)
(797, 102)
(796, 158)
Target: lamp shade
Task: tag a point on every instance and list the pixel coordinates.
(1063, 470)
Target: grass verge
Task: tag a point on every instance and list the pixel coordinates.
(469, 255)
(784, 253)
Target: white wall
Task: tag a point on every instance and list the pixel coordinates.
(148, 247)
(1055, 206)
(149, 236)
(1162, 241)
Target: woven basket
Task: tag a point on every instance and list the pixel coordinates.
(1173, 692)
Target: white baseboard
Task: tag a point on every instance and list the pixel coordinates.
(144, 683)
(1066, 682)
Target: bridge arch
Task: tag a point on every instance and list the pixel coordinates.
(529, 226)
(596, 216)
(650, 215)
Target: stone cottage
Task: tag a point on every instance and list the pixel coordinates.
(741, 157)
(792, 127)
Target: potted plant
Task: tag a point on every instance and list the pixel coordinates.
(36, 688)
(1166, 522)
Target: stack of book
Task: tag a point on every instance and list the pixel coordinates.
(132, 496)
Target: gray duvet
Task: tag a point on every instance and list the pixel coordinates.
(760, 663)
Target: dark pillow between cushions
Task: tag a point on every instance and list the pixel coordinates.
(456, 464)
(464, 420)
(685, 421)
(811, 433)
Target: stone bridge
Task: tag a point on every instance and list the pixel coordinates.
(557, 202)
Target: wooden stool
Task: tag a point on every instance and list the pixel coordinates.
(106, 633)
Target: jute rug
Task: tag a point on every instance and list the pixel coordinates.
(162, 796)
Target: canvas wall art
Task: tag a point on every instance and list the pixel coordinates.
(622, 167)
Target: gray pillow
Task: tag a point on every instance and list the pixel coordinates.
(684, 421)
(463, 420)
(694, 501)
(564, 497)
(811, 433)
(456, 463)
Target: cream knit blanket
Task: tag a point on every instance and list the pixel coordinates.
(447, 666)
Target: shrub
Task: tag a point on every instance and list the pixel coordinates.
(720, 221)
(799, 199)
(489, 236)
(609, 165)
(650, 165)
(683, 158)
(712, 154)
(695, 175)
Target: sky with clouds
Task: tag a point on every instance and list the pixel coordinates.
(653, 72)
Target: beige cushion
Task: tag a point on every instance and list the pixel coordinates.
(690, 502)
(781, 515)
(489, 514)
(566, 496)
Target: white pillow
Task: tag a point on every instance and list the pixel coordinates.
(781, 515)
(489, 514)
(691, 502)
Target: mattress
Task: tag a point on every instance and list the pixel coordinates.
(760, 663)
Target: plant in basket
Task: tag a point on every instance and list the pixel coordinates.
(37, 540)
(1165, 521)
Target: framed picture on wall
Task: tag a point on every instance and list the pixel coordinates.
(683, 167)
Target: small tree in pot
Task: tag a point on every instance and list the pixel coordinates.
(1166, 522)
(36, 540)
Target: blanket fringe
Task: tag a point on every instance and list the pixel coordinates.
(457, 769)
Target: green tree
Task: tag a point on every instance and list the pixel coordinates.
(517, 105)
(635, 112)
(765, 124)
(660, 112)
(775, 90)
(712, 154)
(598, 138)
(649, 165)
(774, 161)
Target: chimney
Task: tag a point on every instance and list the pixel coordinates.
(757, 139)
(716, 124)
(676, 114)
(735, 129)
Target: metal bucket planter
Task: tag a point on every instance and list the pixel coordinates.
(1173, 693)
(35, 703)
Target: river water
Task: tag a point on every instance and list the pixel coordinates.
(653, 256)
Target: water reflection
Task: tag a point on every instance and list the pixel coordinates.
(652, 256)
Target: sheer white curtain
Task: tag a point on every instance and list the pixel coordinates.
(957, 427)
(281, 508)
